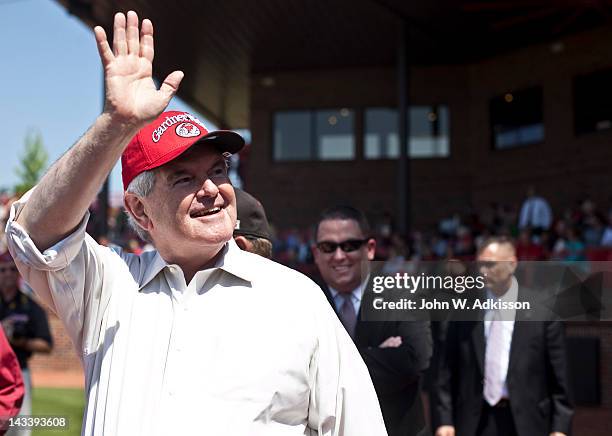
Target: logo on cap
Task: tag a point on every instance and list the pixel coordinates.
(187, 130)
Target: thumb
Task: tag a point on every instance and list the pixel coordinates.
(171, 85)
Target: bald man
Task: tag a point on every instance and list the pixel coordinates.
(501, 375)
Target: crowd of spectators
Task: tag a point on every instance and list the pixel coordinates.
(582, 231)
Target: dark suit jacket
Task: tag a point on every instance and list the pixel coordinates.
(395, 372)
(537, 377)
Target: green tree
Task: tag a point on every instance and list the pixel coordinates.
(32, 163)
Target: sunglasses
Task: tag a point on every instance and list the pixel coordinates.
(346, 246)
(488, 264)
(8, 268)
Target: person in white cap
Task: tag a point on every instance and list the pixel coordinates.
(198, 336)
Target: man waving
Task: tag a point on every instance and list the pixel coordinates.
(196, 337)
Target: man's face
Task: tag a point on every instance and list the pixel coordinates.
(340, 269)
(193, 204)
(497, 264)
(9, 276)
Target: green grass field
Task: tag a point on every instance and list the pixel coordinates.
(59, 402)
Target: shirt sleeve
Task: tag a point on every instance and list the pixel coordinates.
(40, 324)
(67, 277)
(343, 401)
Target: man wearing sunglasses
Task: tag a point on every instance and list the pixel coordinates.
(396, 353)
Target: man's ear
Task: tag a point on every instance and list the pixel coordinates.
(513, 264)
(371, 247)
(242, 242)
(136, 208)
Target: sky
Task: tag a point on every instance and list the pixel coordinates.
(50, 82)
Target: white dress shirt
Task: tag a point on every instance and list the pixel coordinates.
(355, 297)
(508, 316)
(535, 212)
(248, 347)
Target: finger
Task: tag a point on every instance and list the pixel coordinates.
(146, 40)
(132, 33)
(119, 43)
(103, 48)
(171, 85)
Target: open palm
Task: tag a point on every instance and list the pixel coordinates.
(131, 94)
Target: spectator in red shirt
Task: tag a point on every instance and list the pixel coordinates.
(526, 249)
(11, 383)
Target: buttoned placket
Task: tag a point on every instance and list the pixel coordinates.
(182, 299)
(171, 382)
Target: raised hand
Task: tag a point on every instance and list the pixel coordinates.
(131, 95)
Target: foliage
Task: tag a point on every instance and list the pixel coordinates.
(32, 163)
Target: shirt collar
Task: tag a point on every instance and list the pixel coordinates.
(356, 294)
(511, 294)
(232, 261)
(236, 262)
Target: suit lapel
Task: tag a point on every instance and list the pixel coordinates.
(520, 332)
(478, 341)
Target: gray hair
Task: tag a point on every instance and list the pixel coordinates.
(142, 185)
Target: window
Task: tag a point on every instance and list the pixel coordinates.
(593, 102)
(516, 118)
(309, 135)
(429, 132)
(334, 133)
(381, 138)
(292, 135)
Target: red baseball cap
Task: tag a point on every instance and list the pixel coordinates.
(170, 135)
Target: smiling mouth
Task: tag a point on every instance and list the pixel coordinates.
(206, 212)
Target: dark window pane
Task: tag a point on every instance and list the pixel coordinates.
(517, 119)
(429, 132)
(381, 139)
(593, 102)
(335, 136)
(429, 135)
(292, 135)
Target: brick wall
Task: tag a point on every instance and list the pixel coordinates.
(63, 357)
(563, 168)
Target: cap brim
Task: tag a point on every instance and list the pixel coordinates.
(226, 141)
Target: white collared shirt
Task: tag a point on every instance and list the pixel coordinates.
(508, 316)
(356, 295)
(535, 212)
(247, 348)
